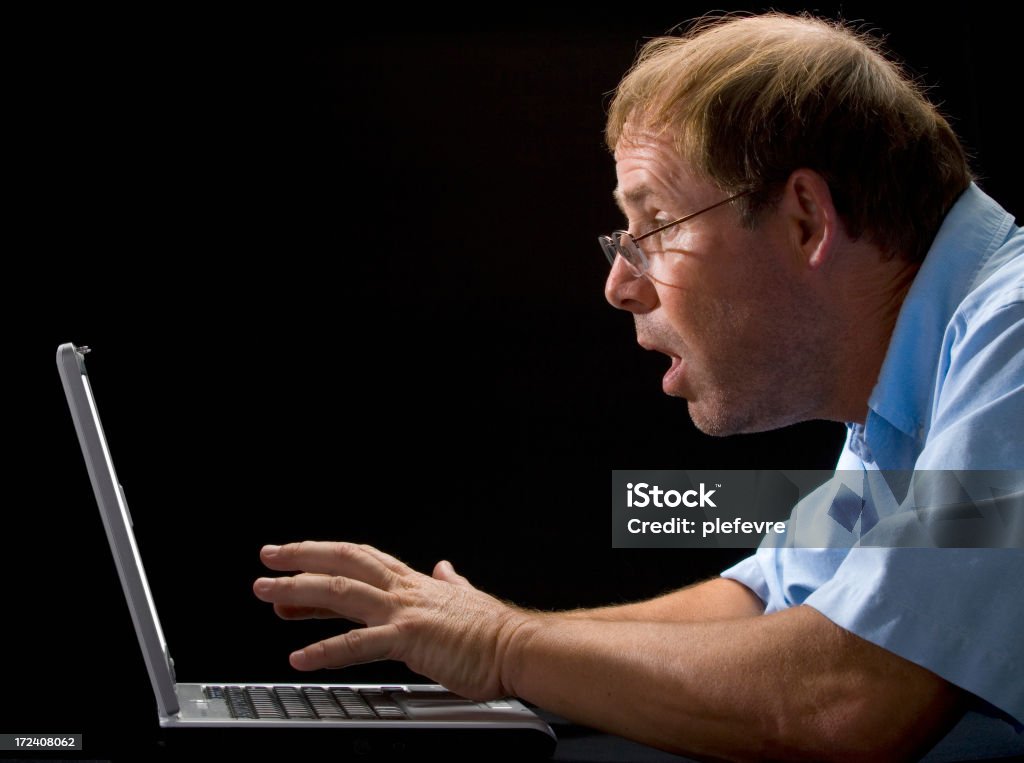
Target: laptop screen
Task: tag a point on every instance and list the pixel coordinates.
(117, 523)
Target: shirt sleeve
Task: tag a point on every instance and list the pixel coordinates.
(954, 611)
(749, 573)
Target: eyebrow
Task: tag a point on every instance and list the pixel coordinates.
(633, 197)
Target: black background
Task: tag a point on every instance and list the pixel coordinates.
(349, 288)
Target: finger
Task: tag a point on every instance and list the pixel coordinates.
(345, 559)
(348, 598)
(444, 570)
(292, 612)
(397, 566)
(356, 646)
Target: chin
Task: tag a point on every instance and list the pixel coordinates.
(711, 421)
(725, 421)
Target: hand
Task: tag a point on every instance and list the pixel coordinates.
(440, 626)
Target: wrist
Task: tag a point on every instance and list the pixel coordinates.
(519, 630)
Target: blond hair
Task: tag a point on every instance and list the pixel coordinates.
(748, 100)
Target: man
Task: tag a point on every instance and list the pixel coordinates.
(805, 242)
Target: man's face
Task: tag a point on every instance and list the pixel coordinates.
(727, 304)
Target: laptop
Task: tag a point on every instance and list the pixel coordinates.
(366, 719)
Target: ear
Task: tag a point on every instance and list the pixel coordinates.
(811, 216)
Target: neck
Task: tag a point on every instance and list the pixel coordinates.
(868, 305)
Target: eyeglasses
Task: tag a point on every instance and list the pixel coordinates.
(623, 243)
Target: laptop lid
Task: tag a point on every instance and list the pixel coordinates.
(117, 523)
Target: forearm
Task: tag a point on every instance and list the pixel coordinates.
(787, 685)
(751, 688)
(715, 599)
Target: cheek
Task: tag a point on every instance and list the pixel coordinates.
(703, 259)
(720, 300)
(718, 323)
(695, 315)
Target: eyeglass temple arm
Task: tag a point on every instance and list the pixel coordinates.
(692, 215)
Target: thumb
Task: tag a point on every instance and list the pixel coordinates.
(443, 570)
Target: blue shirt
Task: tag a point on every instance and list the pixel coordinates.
(950, 395)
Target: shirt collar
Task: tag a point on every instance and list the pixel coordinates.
(956, 262)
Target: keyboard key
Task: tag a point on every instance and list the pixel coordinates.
(238, 702)
(382, 704)
(323, 704)
(294, 703)
(265, 703)
(354, 705)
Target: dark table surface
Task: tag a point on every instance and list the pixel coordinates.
(576, 743)
(583, 745)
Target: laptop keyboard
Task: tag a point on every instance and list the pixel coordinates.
(309, 702)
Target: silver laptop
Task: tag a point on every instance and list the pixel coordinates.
(367, 719)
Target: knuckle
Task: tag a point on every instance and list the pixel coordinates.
(344, 550)
(394, 604)
(354, 642)
(338, 586)
(286, 584)
(319, 653)
(361, 646)
(405, 582)
(405, 634)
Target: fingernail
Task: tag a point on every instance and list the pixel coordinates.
(271, 550)
(263, 585)
(298, 659)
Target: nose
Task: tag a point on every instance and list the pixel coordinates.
(627, 291)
